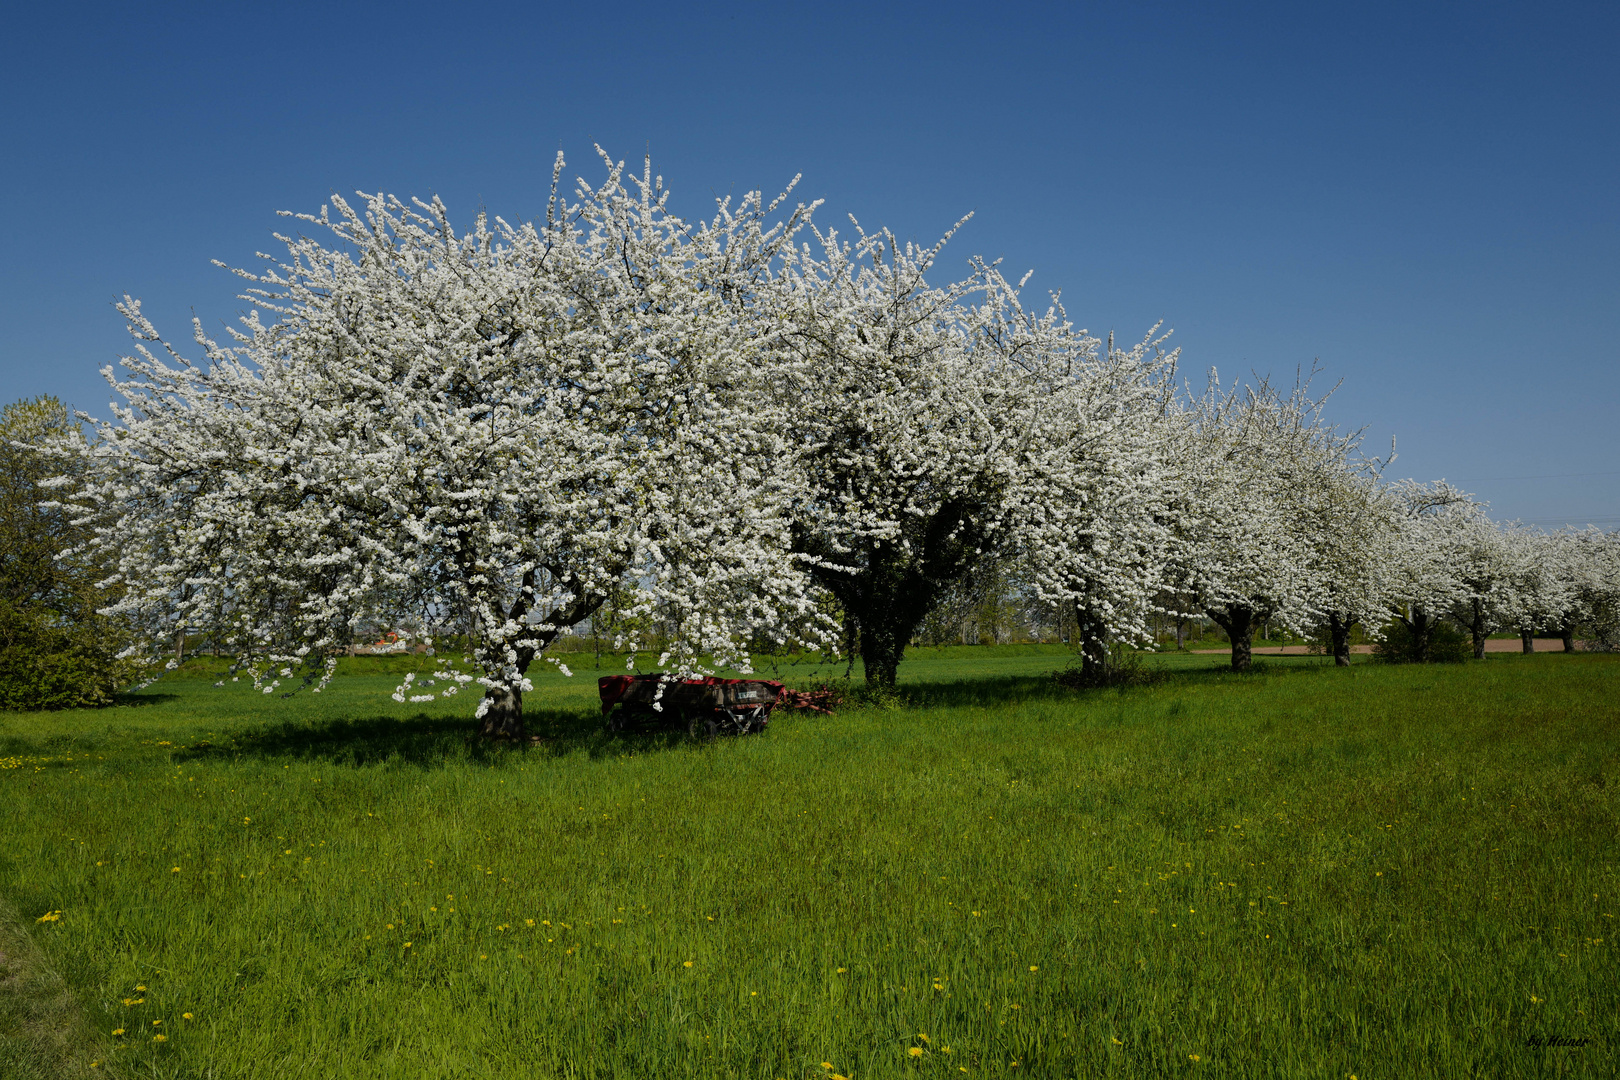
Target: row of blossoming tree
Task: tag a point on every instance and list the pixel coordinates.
(755, 428)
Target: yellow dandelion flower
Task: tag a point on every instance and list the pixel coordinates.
(174, 869)
(826, 1064)
(157, 1023)
(1194, 1057)
(1115, 1041)
(160, 1038)
(688, 963)
(1034, 967)
(915, 1051)
(118, 1031)
(842, 970)
(187, 1016)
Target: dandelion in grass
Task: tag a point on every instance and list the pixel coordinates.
(141, 987)
(915, 1051)
(1034, 967)
(187, 1016)
(118, 1031)
(1194, 1057)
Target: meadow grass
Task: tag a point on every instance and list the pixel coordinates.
(1302, 872)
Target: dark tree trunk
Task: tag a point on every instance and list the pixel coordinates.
(1238, 622)
(1528, 639)
(1181, 635)
(1567, 632)
(504, 717)
(1093, 634)
(882, 649)
(1478, 628)
(894, 586)
(1422, 626)
(1339, 631)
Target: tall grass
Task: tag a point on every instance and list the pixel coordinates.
(1303, 872)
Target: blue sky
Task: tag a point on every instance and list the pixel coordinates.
(1422, 197)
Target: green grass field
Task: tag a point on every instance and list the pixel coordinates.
(1303, 872)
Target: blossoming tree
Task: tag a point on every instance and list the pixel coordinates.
(493, 427)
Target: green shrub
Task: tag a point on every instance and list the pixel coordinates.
(46, 664)
(1447, 644)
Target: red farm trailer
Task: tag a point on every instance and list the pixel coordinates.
(705, 707)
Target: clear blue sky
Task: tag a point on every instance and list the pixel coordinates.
(1422, 196)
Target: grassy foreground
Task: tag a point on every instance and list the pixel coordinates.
(1304, 872)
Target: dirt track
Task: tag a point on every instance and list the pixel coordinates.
(1491, 645)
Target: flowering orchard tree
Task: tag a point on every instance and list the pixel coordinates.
(911, 412)
(1352, 551)
(1569, 584)
(1260, 472)
(1487, 564)
(1599, 588)
(1426, 580)
(1096, 525)
(490, 429)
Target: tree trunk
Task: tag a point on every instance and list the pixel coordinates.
(1238, 622)
(1567, 632)
(881, 654)
(180, 645)
(504, 717)
(1093, 634)
(1422, 626)
(1478, 629)
(1181, 635)
(1339, 630)
(1528, 639)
